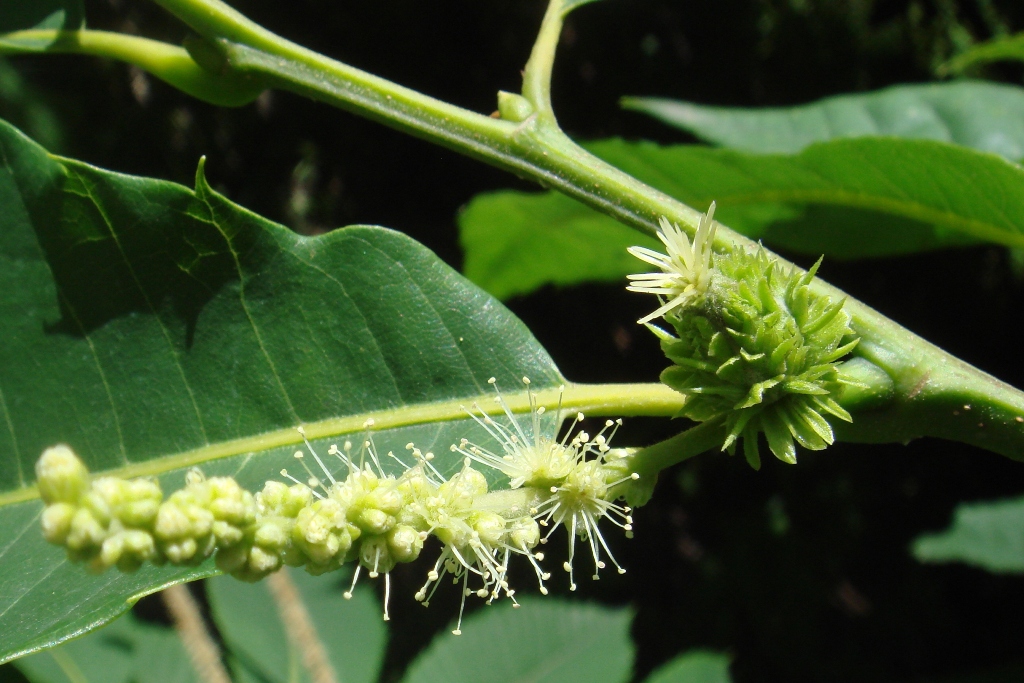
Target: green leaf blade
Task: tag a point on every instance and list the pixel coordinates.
(548, 641)
(223, 311)
(959, 189)
(351, 631)
(988, 117)
(536, 232)
(848, 198)
(986, 535)
(41, 15)
(695, 666)
(126, 650)
(153, 329)
(46, 600)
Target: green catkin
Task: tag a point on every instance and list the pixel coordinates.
(103, 522)
(754, 344)
(369, 517)
(207, 514)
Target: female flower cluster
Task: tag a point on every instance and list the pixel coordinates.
(754, 345)
(369, 516)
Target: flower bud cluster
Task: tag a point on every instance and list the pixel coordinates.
(370, 517)
(756, 346)
(109, 521)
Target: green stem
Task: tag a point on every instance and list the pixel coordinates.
(932, 387)
(537, 73)
(927, 379)
(530, 149)
(647, 462)
(535, 148)
(169, 63)
(249, 48)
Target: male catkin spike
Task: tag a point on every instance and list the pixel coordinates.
(364, 514)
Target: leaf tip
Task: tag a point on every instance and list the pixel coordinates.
(203, 188)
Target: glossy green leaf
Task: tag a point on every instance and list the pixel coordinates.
(960, 190)
(154, 328)
(19, 15)
(516, 242)
(696, 666)
(544, 641)
(1009, 48)
(986, 535)
(845, 199)
(125, 651)
(351, 631)
(988, 117)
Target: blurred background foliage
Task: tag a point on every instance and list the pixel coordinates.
(800, 573)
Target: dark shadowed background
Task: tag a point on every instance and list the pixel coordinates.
(802, 572)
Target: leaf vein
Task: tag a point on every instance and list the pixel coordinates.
(31, 588)
(29, 525)
(149, 303)
(362, 316)
(14, 439)
(245, 308)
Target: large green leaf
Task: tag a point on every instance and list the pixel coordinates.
(126, 651)
(988, 117)
(986, 535)
(25, 15)
(154, 328)
(351, 631)
(696, 666)
(544, 641)
(516, 242)
(844, 198)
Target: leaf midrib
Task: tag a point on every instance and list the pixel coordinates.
(594, 399)
(864, 200)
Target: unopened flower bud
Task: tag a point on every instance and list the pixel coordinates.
(95, 501)
(373, 521)
(226, 534)
(171, 522)
(110, 553)
(524, 533)
(61, 476)
(86, 532)
(386, 499)
(181, 551)
(286, 501)
(127, 549)
(375, 555)
(405, 543)
(263, 562)
(322, 532)
(465, 486)
(489, 526)
(272, 534)
(56, 522)
(136, 547)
